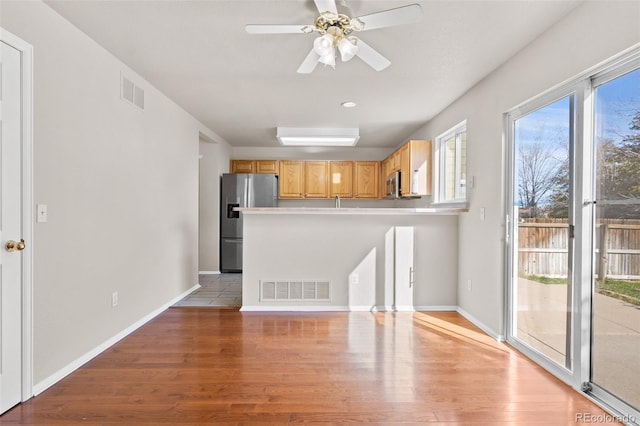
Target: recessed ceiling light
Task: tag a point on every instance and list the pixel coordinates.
(348, 104)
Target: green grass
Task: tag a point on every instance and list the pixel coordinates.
(628, 291)
(544, 280)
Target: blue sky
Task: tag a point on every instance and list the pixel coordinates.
(616, 103)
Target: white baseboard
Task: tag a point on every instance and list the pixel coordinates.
(436, 308)
(79, 362)
(296, 308)
(363, 308)
(209, 272)
(480, 325)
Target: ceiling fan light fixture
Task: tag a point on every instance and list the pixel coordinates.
(323, 45)
(329, 59)
(298, 136)
(348, 48)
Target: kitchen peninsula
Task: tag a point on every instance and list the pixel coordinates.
(322, 259)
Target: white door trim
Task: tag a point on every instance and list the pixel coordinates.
(26, 59)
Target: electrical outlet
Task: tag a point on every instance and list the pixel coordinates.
(482, 213)
(469, 286)
(114, 299)
(354, 279)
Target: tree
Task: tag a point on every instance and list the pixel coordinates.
(539, 168)
(618, 170)
(559, 198)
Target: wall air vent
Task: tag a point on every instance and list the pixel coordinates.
(131, 93)
(295, 291)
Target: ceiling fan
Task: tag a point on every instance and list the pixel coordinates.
(336, 31)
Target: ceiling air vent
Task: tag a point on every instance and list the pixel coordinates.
(131, 93)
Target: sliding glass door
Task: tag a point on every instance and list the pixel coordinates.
(541, 296)
(573, 234)
(615, 339)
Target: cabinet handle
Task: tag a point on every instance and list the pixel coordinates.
(411, 277)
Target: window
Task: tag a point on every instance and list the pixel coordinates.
(451, 173)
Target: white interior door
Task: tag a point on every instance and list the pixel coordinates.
(10, 228)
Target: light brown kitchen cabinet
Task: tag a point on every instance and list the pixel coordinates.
(243, 166)
(395, 161)
(415, 168)
(254, 166)
(291, 179)
(316, 179)
(341, 179)
(366, 179)
(267, 166)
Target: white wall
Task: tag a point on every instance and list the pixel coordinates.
(214, 160)
(592, 33)
(331, 247)
(121, 186)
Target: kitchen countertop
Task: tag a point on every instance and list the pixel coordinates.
(351, 211)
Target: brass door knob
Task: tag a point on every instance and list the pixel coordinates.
(14, 245)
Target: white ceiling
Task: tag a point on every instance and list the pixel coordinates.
(243, 86)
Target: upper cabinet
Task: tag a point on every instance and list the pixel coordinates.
(366, 178)
(413, 161)
(316, 179)
(243, 166)
(267, 166)
(254, 166)
(341, 179)
(291, 179)
(415, 168)
(319, 179)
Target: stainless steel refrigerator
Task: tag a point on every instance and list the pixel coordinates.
(241, 190)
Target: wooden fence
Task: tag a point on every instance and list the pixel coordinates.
(543, 248)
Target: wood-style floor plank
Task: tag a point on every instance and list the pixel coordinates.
(194, 366)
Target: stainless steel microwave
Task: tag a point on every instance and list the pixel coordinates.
(392, 185)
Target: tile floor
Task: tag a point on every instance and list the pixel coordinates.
(216, 290)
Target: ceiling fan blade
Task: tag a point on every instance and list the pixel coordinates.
(309, 63)
(371, 56)
(388, 18)
(274, 29)
(326, 6)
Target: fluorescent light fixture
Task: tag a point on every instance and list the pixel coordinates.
(300, 136)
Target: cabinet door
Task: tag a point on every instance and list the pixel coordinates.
(267, 166)
(395, 161)
(316, 179)
(291, 179)
(366, 179)
(404, 272)
(243, 166)
(341, 178)
(415, 168)
(405, 170)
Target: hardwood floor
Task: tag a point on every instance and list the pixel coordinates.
(219, 366)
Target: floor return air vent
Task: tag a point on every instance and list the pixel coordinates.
(299, 291)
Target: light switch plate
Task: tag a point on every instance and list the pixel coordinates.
(41, 215)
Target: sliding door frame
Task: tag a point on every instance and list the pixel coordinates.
(566, 372)
(582, 216)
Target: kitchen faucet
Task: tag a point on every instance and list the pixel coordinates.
(337, 201)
